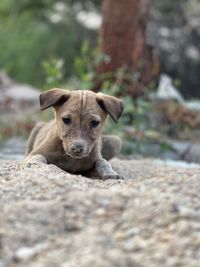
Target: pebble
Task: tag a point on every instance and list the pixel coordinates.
(26, 253)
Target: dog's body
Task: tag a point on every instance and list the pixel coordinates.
(73, 141)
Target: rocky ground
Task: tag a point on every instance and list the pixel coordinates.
(50, 218)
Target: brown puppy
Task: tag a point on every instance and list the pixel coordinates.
(73, 140)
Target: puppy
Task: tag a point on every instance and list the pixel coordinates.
(73, 141)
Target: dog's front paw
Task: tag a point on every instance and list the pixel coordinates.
(105, 170)
(35, 160)
(113, 175)
(32, 163)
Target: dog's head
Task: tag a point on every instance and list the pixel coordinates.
(80, 116)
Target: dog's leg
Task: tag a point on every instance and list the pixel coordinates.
(111, 146)
(105, 170)
(35, 159)
(32, 137)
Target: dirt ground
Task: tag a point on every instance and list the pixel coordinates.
(49, 218)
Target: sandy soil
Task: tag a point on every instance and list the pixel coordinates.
(50, 218)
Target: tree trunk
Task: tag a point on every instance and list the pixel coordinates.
(123, 40)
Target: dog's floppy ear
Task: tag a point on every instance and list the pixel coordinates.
(53, 97)
(113, 106)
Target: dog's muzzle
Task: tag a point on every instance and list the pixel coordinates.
(77, 150)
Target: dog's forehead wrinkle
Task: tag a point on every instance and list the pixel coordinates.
(82, 107)
(84, 99)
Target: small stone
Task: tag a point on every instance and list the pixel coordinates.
(26, 253)
(183, 226)
(100, 212)
(188, 213)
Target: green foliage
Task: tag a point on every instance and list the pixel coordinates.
(177, 83)
(54, 72)
(21, 56)
(29, 37)
(84, 66)
(38, 8)
(165, 146)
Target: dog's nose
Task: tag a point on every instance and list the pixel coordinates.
(77, 148)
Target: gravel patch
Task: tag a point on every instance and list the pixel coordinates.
(51, 218)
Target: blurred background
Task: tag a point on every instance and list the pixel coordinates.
(145, 51)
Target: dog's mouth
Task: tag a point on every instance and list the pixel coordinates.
(78, 151)
(76, 155)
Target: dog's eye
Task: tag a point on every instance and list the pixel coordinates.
(67, 121)
(94, 124)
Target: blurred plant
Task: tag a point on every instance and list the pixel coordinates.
(84, 66)
(86, 63)
(136, 111)
(53, 69)
(177, 83)
(29, 36)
